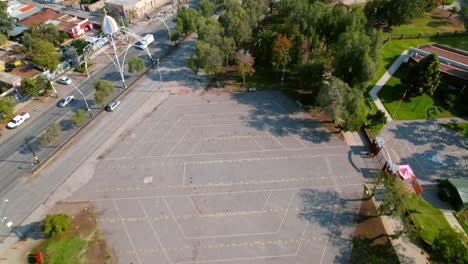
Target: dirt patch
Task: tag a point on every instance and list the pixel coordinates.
(370, 242)
(82, 224)
(447, 16)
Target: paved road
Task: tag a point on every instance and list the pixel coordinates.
(15, 157)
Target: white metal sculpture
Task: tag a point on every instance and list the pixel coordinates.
(116, 35)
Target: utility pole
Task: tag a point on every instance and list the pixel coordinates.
(86, 102)
(284, 68)
(32, 151)
(160, 76)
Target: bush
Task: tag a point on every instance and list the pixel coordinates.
(136, 64)
(433, 112)
(450, 247)
(175, 35)
(56, 224)
(82, 68)
(3, 39)
(7, 105)
(378, 118)
(50, 135)
(78, 117)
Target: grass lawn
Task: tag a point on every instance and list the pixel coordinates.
(69, 250)
(425, 218)
(414, 107)
(461, 128)
(462, 218)
(429, 24)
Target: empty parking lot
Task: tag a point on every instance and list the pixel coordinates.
(227, 178)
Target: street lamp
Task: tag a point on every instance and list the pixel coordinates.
(84, 98)
(32, 150)
(284, 68)
(160, 76)
(1, 208)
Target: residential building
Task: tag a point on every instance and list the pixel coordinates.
(71, 25)
(133, 8)
(453, 62)
(19, 11)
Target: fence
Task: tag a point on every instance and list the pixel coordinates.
(438, 34)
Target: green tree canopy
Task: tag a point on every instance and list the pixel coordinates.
(356, 57)
(48, 32)
(450, 246)
(6, 21)
(206, 8)
(281, 46)
(7, 105)
(423, 77)
(236, 22)
(263, 45)
(51, 135)
(136, 64)
(210, 31)
(104, 89)
(56, 224)
(43, 53)
(78, 117)
(398, 12)
(79, 45)
(340, 102)
(208, 57)
(187, 20)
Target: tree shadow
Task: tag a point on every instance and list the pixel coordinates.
(32, 230)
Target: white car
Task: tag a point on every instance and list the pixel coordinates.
(112, 105)
(64, 80)
(65, 101)
(18, 120)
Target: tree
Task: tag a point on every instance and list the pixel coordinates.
(3, 39)
(236, 22)
(34, 86)
(52, 133)
(56, 224)
(340, 102)
(136, 64)
(71, 55)
(395, 198)
(7, 105)
(228, 49)
(103, 90)
(450, 246)
(43, 53)
(79, 45)
(187, 20)
(78, 117)
(356, 57)
(207, 57)
(377, 118)
(48, 32)
(6, 21)
(245, 63)
(263, 44)
(398, 12)
(206, 8)
(281, 45)
(210, 31)
(423, 77)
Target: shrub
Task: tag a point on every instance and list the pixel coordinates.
(450, 247)
(3, 39)
(377, 118)
(50, 135)
(56, 224)
(175, 35)
(78, 117)
(433, 112)
(82, 68)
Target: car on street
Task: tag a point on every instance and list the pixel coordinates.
(112, 105)
(64, 80)
(65, 101)
(18, 120)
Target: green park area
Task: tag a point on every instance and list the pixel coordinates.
(461, 128)
(72, 240)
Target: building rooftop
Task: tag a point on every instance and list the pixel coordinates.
(64, 22)
(21, 11)
(123, 2)
(25, 71)
(452, 61)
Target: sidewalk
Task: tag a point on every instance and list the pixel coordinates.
(383, 80)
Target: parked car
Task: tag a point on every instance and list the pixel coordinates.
(65, 101)
(18, 120)
(64, 80)
(112, 105)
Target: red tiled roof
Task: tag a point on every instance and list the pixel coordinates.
(449, 69)
(446, 52)
(24, 71)
(26, 8)
(41, 17)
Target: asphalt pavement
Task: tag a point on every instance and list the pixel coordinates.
(16, 159)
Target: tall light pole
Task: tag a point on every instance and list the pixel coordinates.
(84, 98)
(160, 76)
(284, 68)
(32, 150)
(1, 208)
